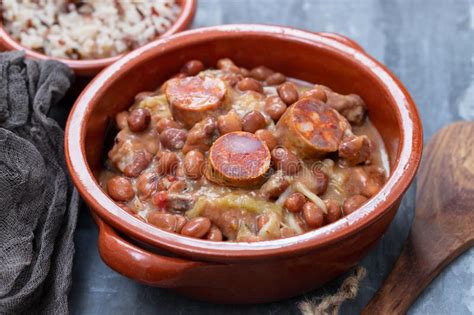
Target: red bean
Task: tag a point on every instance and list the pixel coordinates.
(214, 234)
(120, 188)
(295, 202)
(260, 73)
(317, 93)
(313, 215)
(229, 123)
(249, 84)
(167, 163)
(194, 164)
(274, 107)
(285, 160)
(180, 222)
(197, 227)
(267, 137)
(192, 67)
(355, 149)
(140, 162)
(334, 212)
(228, 65)
(244, 72)
(173, 138)
(166, 123)
(252, 121)
(320, 182)
(139, 119)
(288, 93)
(146, 184)
(353, 203)
(164, 221)
(200, 136)
(275, 79)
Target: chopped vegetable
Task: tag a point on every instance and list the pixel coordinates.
(290, 219)
(157, 105)
(313, 197)
(235, 201)
(271, 229)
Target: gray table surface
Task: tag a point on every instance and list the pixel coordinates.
(429, 45)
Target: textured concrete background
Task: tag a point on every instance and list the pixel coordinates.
(429, 45)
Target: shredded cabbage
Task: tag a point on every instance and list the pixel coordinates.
(311, 196)
(235, 201)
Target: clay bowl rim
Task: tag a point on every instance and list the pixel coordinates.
(402, 174)
(89, 67)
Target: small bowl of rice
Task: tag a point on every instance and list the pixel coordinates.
(89, 35)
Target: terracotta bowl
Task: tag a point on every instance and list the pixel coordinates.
(89, 68)
(243, 272)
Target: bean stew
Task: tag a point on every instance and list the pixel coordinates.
(232, 154)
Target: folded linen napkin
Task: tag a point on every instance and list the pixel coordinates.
(38, 204)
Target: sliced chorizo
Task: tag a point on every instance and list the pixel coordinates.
(310, 128)
(238, 159)
(193, 98)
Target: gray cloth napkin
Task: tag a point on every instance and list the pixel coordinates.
(38, 204)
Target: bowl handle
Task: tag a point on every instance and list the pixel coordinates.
(137, 263)
(342, 39)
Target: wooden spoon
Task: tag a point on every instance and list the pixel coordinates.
(443, 226)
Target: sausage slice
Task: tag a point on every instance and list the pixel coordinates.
(310, 128)
(238, 159)
(193, 98)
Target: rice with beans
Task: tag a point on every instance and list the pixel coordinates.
(87, 29)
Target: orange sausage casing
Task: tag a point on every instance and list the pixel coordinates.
(310, 128)
(194, 98)
(238, 159)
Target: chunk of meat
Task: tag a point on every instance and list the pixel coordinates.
(274, 186)
(311, 129)
(238, 159)
(201, 135)
(193, 98)
(365, 180)
(230, 220)
(355, 149)
(351, 106)
(172, 201)
(180, 201)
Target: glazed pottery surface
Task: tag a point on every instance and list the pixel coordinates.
(243, 272)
